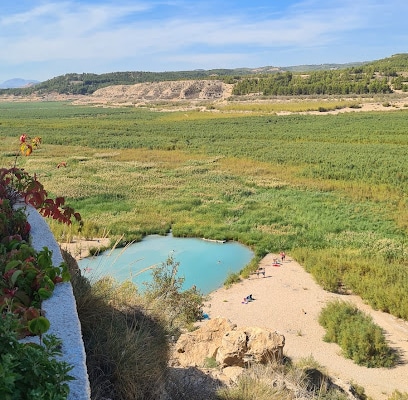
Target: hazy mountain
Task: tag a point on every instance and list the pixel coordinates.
(18, 83)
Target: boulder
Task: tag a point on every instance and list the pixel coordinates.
(219, 339)
(250, 345)
(264, 345)
(193, 348)
(233, 349)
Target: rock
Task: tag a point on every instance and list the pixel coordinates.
(231, 374)
(233, 349)
(264, 345)
(250, 345)
(193, 348)
(229, 346)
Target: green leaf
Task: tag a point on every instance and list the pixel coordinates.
(39, 325)
(12, 264)
(23, 297)
(44, 258)
(44, 293)
(48, 283)
(66, 276)
(15, 276)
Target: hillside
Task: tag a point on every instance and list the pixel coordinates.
(376, 77)
(87, 83)
(172, 90)
(18, 83)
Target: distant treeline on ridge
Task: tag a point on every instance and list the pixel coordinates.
(381, 76)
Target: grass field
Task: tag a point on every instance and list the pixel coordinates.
(330, 190)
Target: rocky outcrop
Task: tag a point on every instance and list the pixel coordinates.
(228, 345)
(193, 348)
(234, 349)
(163, 91)
(250, 345)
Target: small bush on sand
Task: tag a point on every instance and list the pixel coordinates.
(355, 332)
(396, 395)
(232, 278)
(210, 362)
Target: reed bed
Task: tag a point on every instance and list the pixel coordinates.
(328, 189)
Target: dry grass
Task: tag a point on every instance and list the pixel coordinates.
(303, 380)
(127, 349)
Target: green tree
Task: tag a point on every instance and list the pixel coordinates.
(165, 294)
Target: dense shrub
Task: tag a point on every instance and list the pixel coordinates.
(164, 296)
(126, 333)
(27, 277)
(29, 371)
(360, 339)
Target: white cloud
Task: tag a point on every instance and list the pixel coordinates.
(97, 33)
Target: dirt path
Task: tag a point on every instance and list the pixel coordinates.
(289, 301)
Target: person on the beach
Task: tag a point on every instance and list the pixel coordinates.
(260, 270)
(282, 255)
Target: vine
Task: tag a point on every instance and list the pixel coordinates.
(27, 277)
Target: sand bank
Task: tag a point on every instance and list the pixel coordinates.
(289, 301)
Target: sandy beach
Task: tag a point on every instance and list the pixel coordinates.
(79, 248)
(289, 301)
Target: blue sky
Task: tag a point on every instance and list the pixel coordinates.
(43, 39)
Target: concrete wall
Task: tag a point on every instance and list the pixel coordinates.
(61, 310)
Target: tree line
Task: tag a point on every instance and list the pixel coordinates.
(316, 83)
(381, 76)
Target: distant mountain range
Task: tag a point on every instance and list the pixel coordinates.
(18, 83)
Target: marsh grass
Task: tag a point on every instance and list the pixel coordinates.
(232, 278)
(376, 274)
(328, 189)
(289, 106)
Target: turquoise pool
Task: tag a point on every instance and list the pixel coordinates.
(203, 263)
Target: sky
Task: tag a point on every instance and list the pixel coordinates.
(42, 39)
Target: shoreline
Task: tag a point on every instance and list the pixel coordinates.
(79, 248)
(289, 301)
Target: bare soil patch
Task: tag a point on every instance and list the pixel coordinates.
(79, 248)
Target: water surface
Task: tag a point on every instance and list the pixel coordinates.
(205, 264)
